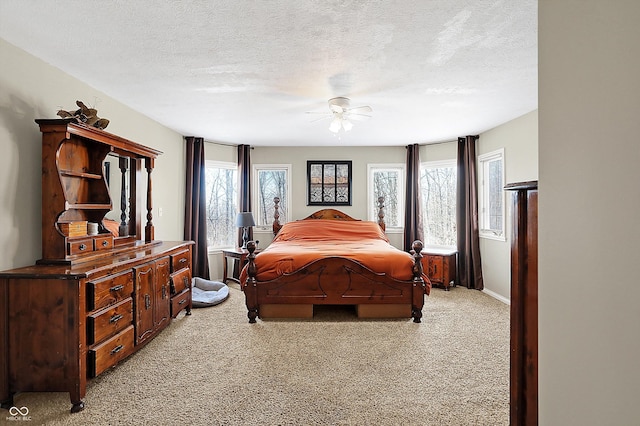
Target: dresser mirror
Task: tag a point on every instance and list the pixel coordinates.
(120, 173)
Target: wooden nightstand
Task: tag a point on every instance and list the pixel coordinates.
(239, 256)
(441, 266)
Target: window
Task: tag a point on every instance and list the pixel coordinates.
(438, 182)
(491, 207)
(270, 181)
(387, 180)
(222, 204)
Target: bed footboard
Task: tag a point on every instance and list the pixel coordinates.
(335, 281)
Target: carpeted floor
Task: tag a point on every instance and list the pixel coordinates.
(214, 368)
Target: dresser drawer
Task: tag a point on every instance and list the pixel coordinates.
(180, 281)
(181, 260)
(109, 290)
(109, 321)
(80, 246)
(103, 242)
(109, 353)
(180, 302)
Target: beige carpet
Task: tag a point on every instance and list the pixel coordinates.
(214, 368)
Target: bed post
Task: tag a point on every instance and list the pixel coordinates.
(418, 282)
(381, 213)
(276, 216)
(250, 290)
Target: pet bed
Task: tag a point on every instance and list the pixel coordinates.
(208, 293)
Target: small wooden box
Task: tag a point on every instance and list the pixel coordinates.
(73, 229)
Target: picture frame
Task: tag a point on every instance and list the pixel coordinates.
(329, 183)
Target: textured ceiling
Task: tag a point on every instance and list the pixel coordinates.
(248, 72)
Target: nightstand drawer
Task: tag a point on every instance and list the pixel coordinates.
(110, 321)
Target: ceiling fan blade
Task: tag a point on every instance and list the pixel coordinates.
(326, 116)
(358, 117)
(361, 109)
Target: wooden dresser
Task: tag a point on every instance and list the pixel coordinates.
(524, 304)
(91, 300)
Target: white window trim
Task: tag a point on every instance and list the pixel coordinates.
(401, 167)
(439, 164)
(483, 192)
(220, 165)
(254, 183)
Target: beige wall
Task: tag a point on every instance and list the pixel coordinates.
(589, 204)
(519, 138)
(30, 89)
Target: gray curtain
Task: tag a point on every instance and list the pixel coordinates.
(195, 209)
(469, 266)
(244, 190)
(413, 206)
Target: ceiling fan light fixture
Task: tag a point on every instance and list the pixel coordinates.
(335, 125)
(347, 125)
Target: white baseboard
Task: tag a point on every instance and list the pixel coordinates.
(497, 296)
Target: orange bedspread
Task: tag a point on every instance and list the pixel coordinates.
(301, 242)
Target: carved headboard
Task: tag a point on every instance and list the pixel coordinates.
(328, 214)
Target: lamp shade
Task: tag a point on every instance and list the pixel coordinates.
(245, 219)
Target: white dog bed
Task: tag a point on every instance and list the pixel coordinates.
(208, 293)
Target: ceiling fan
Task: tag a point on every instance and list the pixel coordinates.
(343, 114)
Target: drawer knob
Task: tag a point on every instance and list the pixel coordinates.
(182, 302)
(116, 288)
(117, 349)
(115, 318)
(83, 247)
(105, 243)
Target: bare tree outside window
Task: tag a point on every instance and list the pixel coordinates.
(386, 183)
(271, 183)
(491, 204)
(438, 186)
(222, 205)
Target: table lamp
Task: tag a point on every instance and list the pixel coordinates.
(244, 221)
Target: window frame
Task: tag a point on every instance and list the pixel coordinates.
(254, 198)
(229, 166)
(439, 164)
(371, 199)
(484, 160)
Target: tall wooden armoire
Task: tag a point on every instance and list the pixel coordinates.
(524, 304)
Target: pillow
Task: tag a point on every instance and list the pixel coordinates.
(207, 293)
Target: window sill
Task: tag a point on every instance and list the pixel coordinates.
(494, 237)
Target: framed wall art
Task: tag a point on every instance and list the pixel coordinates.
(329, 183)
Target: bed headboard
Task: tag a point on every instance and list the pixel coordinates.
(327, 214)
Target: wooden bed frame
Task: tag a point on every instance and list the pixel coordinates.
(334, 281)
